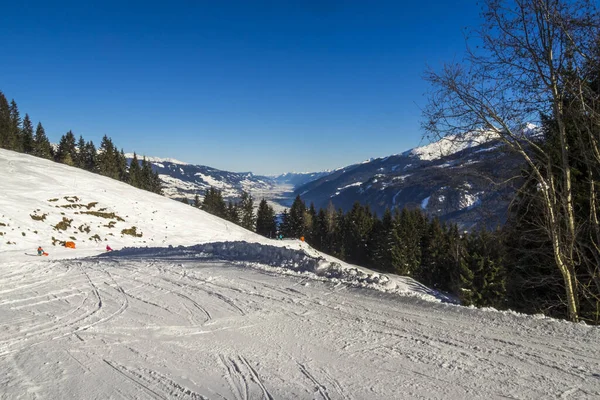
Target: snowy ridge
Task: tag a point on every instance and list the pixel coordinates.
(157, 159)
(452, 144)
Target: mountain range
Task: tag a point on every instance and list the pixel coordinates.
(459, 179)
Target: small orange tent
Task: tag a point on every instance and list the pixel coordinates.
(70, 245)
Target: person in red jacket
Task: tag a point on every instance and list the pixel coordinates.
(108, 248)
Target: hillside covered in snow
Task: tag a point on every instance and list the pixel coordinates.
(461, 179)
(192, 307)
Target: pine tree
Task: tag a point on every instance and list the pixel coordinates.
(4, 122)
(486, 263)
(197, 202)
(81, 155)
(266, 222)
(107, 160)
(434, 270)
(156, 186)
(297, 217)
(358, 229)
(90, 157)
(146, 175)
(338, 238)
(214, 203)
(285, 228)
(310, 217)
(135, 172)
(232, 213)
(123, 174)
(247, 217)
(27, 143)
(41, 144)
(382, 243)
(320, 233)
(67, 149)
(15, 140)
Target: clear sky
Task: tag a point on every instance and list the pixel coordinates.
(261, 86)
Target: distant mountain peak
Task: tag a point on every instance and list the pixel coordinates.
(157, 159)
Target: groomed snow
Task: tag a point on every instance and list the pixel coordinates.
(198, 308)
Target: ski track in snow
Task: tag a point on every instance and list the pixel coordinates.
(204, 329)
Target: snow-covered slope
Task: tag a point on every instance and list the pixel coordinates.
(452, 144)
(46, 204)
(459, 179)
(232, 315)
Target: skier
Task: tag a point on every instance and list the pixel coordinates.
(108, 248)
(41, 251)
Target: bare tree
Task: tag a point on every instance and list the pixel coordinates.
(531, 58)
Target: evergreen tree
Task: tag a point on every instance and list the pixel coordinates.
(284, 227)
(359, 223)
(135, 172)
(484, 276)
(320, 233)
(296, 218)
(41, 144)
(247, 217)
(233, 213)
(14, 138)
(338, 237)
(382, 243)
(67, 149)
(213, 203)
(146, 175)
(27, 135)
(5, 138)
(266, 222)
(156, 184)
(310, 218)
(81, 154)
(107, 160)
(435, 270)
(123, 174)
(197, 202)
(90, 155)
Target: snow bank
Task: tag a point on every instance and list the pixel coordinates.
(282, 260)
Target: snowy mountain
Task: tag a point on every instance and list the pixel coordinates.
(183, 180)
(192, 307)
(454, 178)
(296, 179)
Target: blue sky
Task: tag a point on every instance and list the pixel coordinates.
(261, 86)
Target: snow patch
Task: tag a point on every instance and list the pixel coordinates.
(425, 202)
(349, 186)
